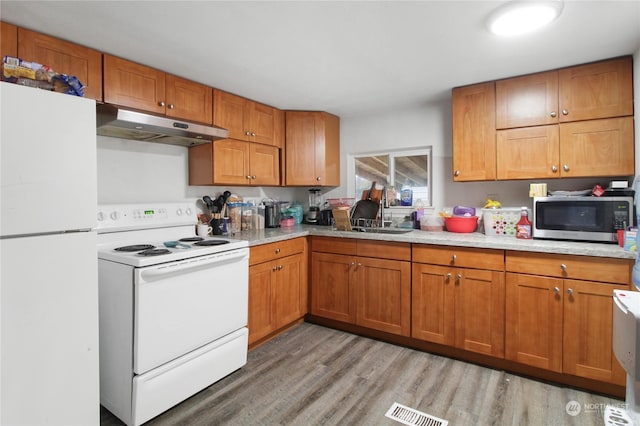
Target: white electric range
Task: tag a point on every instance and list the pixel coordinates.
(173, 307)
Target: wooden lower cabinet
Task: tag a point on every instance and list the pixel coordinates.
(277, 287)
(456, 306)
(560, 319)
(366, 291)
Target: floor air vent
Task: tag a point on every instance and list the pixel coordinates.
(409, 416)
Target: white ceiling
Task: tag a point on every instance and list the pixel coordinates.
(349, 58)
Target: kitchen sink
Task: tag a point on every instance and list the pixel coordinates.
(382, 230)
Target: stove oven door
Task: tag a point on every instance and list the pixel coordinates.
(184, 305)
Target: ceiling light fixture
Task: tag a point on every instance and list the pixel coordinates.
(520, 16)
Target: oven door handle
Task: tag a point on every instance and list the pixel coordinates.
(197, 263)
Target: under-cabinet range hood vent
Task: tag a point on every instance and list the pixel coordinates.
(121, 123)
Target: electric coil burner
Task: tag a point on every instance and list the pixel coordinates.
(172, 320)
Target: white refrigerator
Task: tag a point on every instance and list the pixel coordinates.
(49, 369)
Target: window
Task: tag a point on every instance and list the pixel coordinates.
(395, 170)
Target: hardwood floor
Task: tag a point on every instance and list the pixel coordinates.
(312, 375)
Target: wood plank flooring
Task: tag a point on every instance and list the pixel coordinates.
(312, 375)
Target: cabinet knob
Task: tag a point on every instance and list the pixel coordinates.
(171, 106)
(448, 277)
(556, 290)
(569, 291)
(248, 133)
(277, 250)
(280, 267)
(565, 112)
(253, 176)
(553, 114)
(458, 278)
(554, 168)
(253, 134)
(453, 258)
(161, 103)
(318, 178)
(563, 266)
(566, 168)
(456, 173)
(248, 176)
(274, 268)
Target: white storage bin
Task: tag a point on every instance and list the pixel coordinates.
(501, 222)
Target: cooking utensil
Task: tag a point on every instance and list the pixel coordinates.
(209, 202)
(366, 209)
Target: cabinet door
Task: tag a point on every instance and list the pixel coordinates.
(597, 148)
(533, 334)
(332, 295)
(528, 153)
(229, 112)
(188, 100)
(300, 148)
(133, 85)
(588, 331)
(432, 295)
(383, 292)
(9, 40)
(479, 311)
(230, 162)
(598, 90)
(531, 100)
(64, 57)
(261, 123)
(264, 164)
(474, 133)
(288, 298)
(261, 301)
(312, 154)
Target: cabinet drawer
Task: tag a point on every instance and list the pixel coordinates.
(574, 267)
(384, 250)
(459, 256)
(271, 251)
(334, 245)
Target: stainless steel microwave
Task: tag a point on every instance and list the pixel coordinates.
(581, 218)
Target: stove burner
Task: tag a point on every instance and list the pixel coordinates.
(136, 247)
(154, 252)
(211, 243)
(191, 239)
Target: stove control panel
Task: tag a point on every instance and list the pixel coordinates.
(119, 217)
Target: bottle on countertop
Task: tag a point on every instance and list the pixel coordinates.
(406, 194)
(523, 227)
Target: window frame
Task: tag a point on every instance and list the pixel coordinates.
(427, 150)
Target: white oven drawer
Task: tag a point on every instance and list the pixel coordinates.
(157, 390)
(181, 306)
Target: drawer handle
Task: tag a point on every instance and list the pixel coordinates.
(563, 267)
(453, 258)
(556, 290)
(277, 250)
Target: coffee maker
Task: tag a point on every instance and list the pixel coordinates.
(314, 206)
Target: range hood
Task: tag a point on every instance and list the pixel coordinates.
(122, 123)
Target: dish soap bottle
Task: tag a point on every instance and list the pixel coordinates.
(406, 194)
(523, 227)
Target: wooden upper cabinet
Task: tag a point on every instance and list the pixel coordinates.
(474, 133)
(140, 87)
(245, 119)
(133, 85)
(63, 57)
(598, 90)
(584, 92)
(8, 40)
(528, 153)
(527, 101)
(188, 100)
(312, 149)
